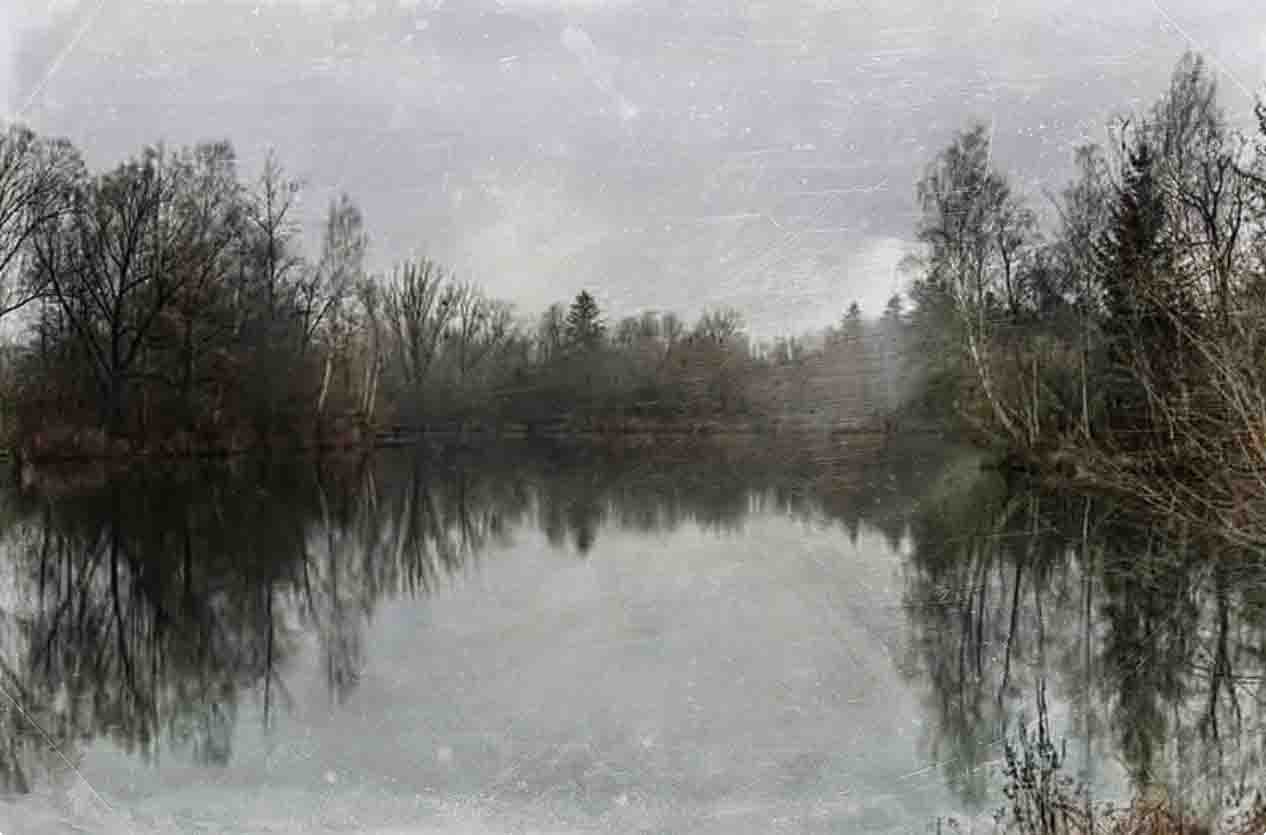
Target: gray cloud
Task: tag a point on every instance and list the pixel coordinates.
(665, 153)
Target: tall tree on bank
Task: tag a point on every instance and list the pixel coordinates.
(892, 327)
(1199, 169)
(1147, 308)
(140, 235)
(324, 296)
(270, 212)
(1083, 208)
(972, 227)
(199, 323)
(270, 267)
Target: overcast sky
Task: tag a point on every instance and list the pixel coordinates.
(666, 154)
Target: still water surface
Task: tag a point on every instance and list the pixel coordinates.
(535, 641)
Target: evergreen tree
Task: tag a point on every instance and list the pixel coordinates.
(851, 326)
(892, 337)
(1146, 309)
(1133, 254)
(584, 327)
(852, 358)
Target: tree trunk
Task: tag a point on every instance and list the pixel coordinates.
(1036, 428)
(986, 384)
(325, 389)
(1085, 397)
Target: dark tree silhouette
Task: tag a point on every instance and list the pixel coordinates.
(584, 327)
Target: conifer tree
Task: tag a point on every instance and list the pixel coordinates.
(584, 328)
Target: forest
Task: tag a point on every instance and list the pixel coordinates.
(1113, 330)
(1116, 333)
(166, 306)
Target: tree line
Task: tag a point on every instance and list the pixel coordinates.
(167, 304)
(1121, 325)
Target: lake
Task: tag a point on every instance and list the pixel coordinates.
(704, 639)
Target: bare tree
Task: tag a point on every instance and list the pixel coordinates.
(117, 264)
(369, 295)
(972, 227)
(1200, 167)
(37, 178)
(274, 230)
(270, 267)
(551, 332)
(418, 305)
(480, 328)
(322, 295)
(1084, 216)
(719, 327)
(672, 331)
(211, 200)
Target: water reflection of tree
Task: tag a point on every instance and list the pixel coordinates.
(150, 607)
(157, 610)
(1152, 647)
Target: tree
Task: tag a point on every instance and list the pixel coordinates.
(1015, 233)
(37, 181)
(273, 229)
(973, 228)
(627, 333)
(719, 327)
(849, 358)
(369, 295)
(551, 333)
(344, 245)
(118, 262)
(1145, 305)
(323, 295)
(199, 321)
(891, 347)
(270, 266)
(584, 327)
(418, 305)
(672, 331)
(1083, 210)
(479, 329)
(852, 317)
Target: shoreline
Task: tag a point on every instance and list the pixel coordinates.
(469, 437)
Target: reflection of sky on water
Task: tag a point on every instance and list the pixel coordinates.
(430, 649)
